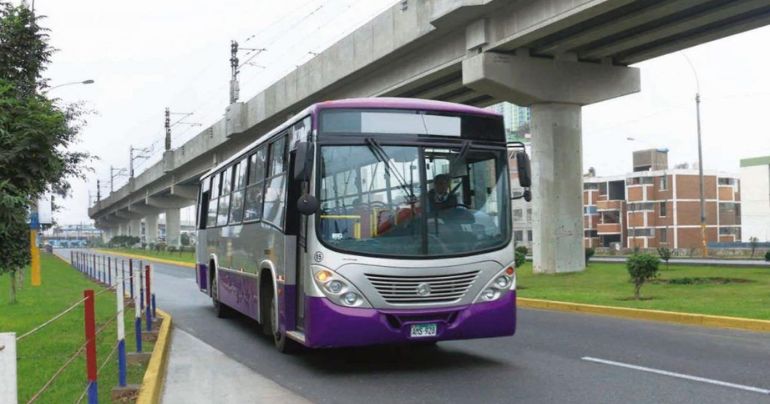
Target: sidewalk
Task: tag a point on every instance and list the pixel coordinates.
(198, 373)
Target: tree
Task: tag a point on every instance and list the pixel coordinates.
(13, 227)
(754, 243)
(665, 254)
(641, 267)
(184, 239)
(35, 132)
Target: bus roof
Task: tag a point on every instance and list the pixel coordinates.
(364, 103)
(404, 103)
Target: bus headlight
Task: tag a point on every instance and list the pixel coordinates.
(334, 286)
(338, 289)
(351, 299)
(502, 281)
(490, 294)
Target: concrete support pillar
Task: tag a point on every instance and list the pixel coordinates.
(557, 188)
(173, 227)
(122, 229)
(134, 226)
(556, 89)
(151, 228)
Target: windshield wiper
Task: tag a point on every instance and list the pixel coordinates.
(383, 157)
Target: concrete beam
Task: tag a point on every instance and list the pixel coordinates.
(189, 192)
(167, 202)
(526, 80)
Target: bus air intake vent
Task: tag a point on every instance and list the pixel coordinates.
(396, 289)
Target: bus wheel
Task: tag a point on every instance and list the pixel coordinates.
(270, 324)
(222, 310)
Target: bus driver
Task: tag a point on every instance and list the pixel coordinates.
(440, 197)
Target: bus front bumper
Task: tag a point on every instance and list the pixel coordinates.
(329, 325)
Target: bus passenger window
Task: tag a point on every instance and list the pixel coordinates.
(275, 190)
(224, 199)
(211, 220)
(253, 202)
(236, 205)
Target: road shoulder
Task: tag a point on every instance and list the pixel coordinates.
(199, 373)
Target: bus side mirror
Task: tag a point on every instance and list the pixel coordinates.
(524, 170)
(303, 161)
(527, 195)
(307, 204)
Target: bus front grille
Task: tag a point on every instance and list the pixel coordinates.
(398, 289)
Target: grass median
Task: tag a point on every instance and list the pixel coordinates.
(723, 291)
(185, 257)
(42, 353)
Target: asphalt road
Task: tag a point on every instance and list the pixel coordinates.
(543, 363)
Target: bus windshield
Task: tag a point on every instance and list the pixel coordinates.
(413, 201)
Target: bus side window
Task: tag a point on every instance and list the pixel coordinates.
(275, 190)
(239, 183)
(211, 220)
(203, 203)
(224, 199)
(255, 187)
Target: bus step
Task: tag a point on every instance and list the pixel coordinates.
(298, 336)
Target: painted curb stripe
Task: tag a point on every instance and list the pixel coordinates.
(146, 258)
(702, 320)
(155, 375)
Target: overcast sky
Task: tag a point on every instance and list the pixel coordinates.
(146, 55)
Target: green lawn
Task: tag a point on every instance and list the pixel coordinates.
(42, 353)
(188, 257)
(608, 284)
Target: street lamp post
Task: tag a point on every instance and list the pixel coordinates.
(89, 81)
(700, 158)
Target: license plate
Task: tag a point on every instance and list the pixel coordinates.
(423, 330)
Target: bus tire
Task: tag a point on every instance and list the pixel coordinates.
(222, 310)
(270, 322)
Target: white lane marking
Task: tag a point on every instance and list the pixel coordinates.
(677, 375)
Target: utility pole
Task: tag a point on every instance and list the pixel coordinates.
(142, 155)
(700, 158)
(98, 191)
(700, 176)
(168, 129)
(115, 172)
(235, 66)
(234, 87)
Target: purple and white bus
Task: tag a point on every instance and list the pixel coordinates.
(365, 221)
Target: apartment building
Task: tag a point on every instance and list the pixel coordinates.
(657, 206)
(755, 215)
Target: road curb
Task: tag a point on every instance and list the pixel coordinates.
(146, 258)
(154, 376)
(702, 320)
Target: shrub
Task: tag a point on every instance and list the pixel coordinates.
(589, 253)
(519, 259)
(767, 256)
(753, 242)
(184, 239)
(171, 248)
(522, 249)
(641, 268)
(665, 254)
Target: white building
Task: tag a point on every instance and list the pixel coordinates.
(755, 194)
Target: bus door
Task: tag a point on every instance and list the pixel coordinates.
(296, 227)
